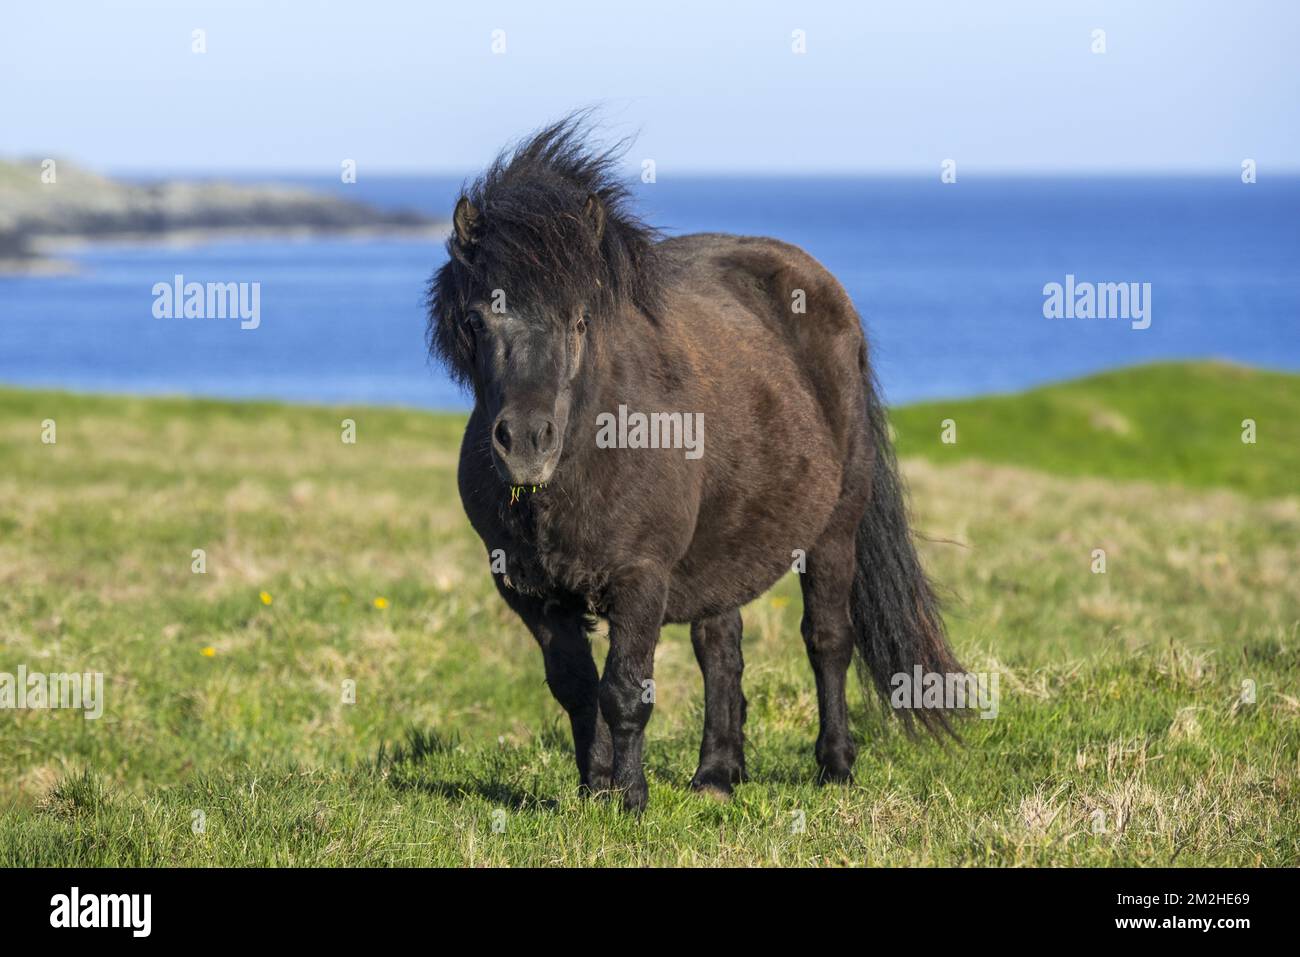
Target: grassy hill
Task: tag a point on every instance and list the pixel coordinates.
(1172, 422)
(1149, 715)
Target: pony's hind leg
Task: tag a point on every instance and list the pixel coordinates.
(828, 635)
(722, 752)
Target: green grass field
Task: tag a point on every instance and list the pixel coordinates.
(1124, 736)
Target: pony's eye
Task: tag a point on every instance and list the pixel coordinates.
(474, 319)
(582, 323)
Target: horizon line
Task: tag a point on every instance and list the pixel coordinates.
(203, 396)
(1231, 172)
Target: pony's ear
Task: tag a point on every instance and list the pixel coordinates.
(595, 213)
(465, 219)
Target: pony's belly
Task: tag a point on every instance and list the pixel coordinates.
(740, 553)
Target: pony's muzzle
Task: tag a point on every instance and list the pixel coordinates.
(525, 446)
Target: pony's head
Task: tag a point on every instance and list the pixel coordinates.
(543, 257)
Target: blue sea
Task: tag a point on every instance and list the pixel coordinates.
(948, 277)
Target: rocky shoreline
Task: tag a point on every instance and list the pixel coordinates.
(48, 210)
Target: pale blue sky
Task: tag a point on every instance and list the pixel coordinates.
(898, 86)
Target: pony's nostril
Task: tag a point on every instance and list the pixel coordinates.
(502, 434)
(545, 440)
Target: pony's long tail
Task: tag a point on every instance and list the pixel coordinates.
(895, 614)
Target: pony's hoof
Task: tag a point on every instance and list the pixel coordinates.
(835, 763)
(717, 782)
(717, 790)
(828, 774)
(597, 784)
(635, 796)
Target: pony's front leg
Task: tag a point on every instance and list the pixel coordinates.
(571, 675)
(635, 603)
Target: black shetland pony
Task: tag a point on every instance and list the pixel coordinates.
(558, 306)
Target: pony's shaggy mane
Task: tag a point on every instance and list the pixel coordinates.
(534, 236)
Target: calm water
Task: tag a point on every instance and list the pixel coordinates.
(949, 279)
